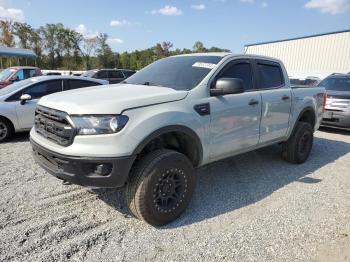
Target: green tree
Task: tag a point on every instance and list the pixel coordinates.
(6, 38)
(104, 52)
(88, 48)
(198, 47)
(24, 32)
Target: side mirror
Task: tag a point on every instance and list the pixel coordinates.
(14, 78)
(24, 98)
(227, 86)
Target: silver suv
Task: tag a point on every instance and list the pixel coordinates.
(337, 111)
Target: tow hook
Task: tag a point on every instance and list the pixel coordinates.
(66, 183)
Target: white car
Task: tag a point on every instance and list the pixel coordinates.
(18, 101)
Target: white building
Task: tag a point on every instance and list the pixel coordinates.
(314, 55)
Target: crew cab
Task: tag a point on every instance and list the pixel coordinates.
(151, 132)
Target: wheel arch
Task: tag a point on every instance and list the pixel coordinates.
(307, 115)
(188, 142)
(8, 120)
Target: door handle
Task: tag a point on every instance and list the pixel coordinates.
(285, 97)
(253, 102)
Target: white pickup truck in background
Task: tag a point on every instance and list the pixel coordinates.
(150, 132)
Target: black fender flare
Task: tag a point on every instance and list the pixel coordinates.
(174, 128)
(308, 108)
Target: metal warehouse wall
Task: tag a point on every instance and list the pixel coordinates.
(311, 56)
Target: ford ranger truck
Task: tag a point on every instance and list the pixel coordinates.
(150, 132)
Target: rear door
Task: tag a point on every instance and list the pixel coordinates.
(235, 118)
(276, 101)
(25, 112)
(115, 76)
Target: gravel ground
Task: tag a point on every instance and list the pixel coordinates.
(253, 207)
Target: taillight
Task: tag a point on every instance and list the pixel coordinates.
(324, 101)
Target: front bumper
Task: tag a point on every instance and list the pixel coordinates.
(336, 118)
(82, 170)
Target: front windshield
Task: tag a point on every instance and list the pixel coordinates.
(15, 86)
(178, 72)
(336, 83)
(5, 74)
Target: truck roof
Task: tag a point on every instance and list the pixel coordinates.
(224, 54)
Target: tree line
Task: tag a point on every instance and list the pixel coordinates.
(59, 47)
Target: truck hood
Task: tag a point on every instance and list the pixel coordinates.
(112, 99)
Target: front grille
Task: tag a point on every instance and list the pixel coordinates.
(54, 125)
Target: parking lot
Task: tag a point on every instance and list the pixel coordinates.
(253, 207)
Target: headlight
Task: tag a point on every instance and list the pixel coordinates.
(96, 125)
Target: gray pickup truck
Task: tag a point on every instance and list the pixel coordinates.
(152, 131)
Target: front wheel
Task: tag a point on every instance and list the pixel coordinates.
(6, 130)
(161, 187)
(298, 147)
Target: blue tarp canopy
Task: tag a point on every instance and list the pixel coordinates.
(17, 52)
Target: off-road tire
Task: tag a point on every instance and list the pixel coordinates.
(160, 187)
(298, 147)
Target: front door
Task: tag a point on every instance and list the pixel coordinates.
(26, 111)
(235, 118)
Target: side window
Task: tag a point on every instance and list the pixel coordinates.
(75, 84)
(270, 75)
(42, 89)
(128, 73)
(28, 73)
(241, 70)
(116, 74)
(20, 74)
(102, 74)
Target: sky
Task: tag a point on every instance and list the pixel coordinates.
(229, 24)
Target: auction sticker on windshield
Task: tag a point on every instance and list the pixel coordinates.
(204, 65)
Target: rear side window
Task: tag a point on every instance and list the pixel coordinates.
(116, 74)
(102, 74)
(270, 75)
(241, 70)
(75, 84)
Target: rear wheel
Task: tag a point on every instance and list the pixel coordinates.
(298, 147)
(6, 130)
(161, 187)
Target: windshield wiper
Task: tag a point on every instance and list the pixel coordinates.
(151, 84)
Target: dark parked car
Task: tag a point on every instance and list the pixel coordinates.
(337, 110)
(17, 73)
(112, 75)
(53, 74)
